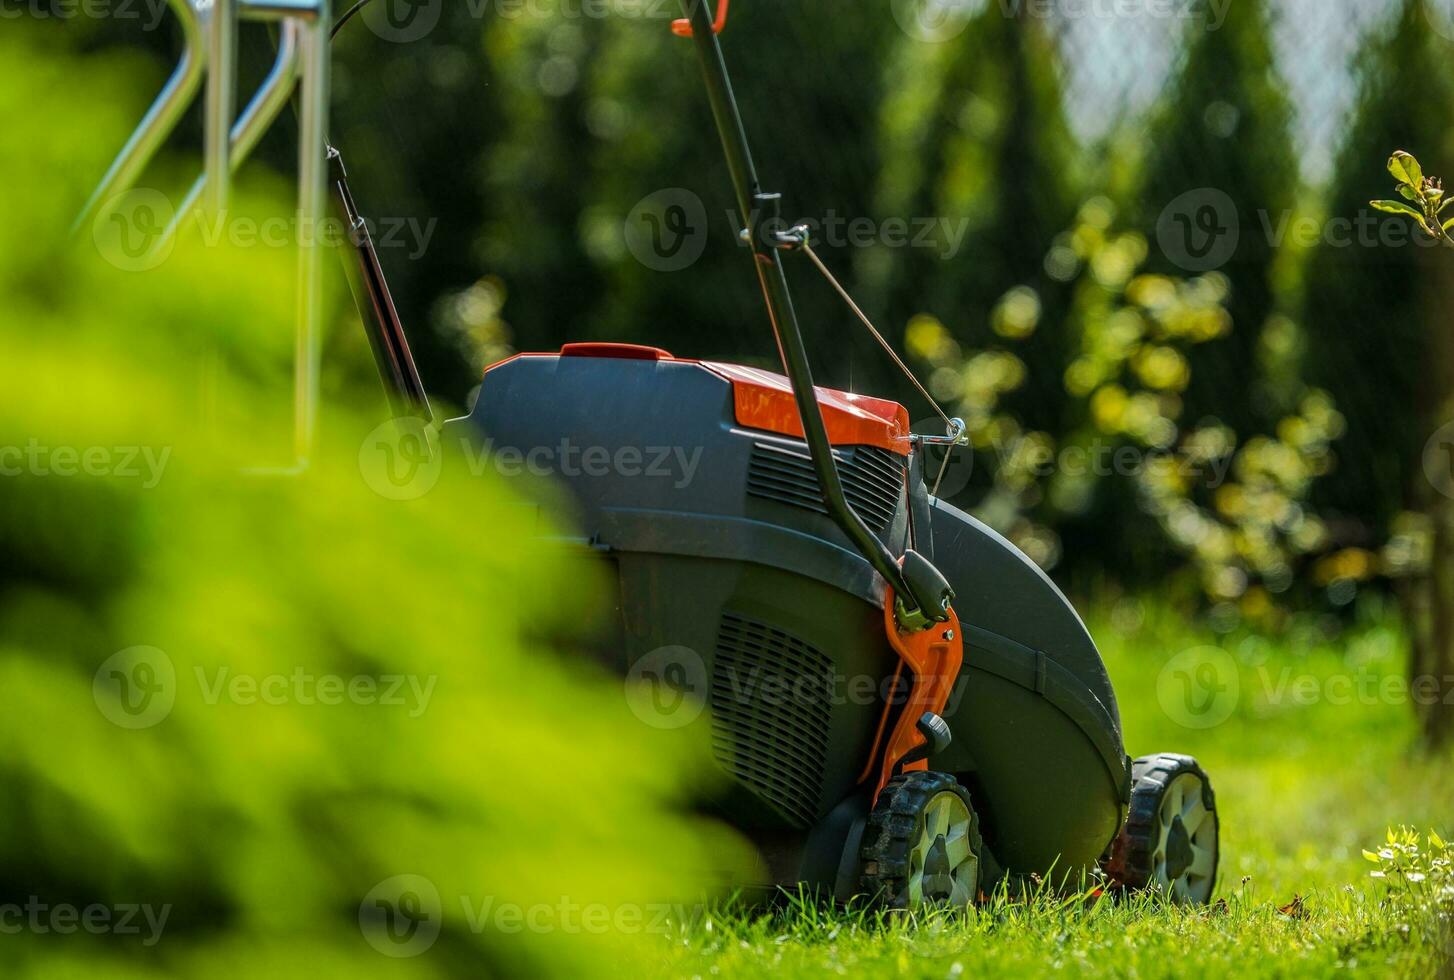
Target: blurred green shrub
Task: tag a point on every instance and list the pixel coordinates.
(1236, 510)
(248, 704)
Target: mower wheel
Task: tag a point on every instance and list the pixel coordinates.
(922, 844)
(1169, 842)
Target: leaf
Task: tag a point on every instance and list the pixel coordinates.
(1447, 226)
(1406, 169)
(1408, 193)
(1294, 909)
(1434, 838)
(1396, 207)
(1371, 856)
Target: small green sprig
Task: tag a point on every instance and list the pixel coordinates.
(1419, 872)
(1425, 198)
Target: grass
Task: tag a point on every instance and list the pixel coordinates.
(1313, 764)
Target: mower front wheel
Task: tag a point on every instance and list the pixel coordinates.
(922, 844)
(1169, 842)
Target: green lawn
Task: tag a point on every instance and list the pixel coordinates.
(1307, 774)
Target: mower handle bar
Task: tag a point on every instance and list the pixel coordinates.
(209, 30)
(760, 211)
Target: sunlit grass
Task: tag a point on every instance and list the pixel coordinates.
(1301, 789)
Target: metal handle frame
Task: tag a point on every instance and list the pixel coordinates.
(761, 214)
(210, 45)
(160, 120)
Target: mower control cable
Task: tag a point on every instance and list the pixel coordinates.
(797, 239)
(345, 17)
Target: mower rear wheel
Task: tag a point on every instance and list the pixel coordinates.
(922, 843)
(1169, 842)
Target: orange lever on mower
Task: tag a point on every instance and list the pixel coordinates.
(934, 657)
(683, 27)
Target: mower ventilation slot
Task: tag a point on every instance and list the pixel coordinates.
(873, 480)
(771, 709)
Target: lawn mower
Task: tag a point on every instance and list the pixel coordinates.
(904, 706)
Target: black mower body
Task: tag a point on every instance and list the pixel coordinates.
(729, 568)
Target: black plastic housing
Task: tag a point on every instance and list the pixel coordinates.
(719, 543)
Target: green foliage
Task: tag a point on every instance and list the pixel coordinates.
(1376, 314)
(1236, 508)
(1419, 872)
(600, 114)
(1426, 192)
(1225, 126)
(414, 122)
(1302, 786)
(1420, 868)
(501, 771)
(975, 131)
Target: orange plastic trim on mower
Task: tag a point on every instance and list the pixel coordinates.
(764, 400)
(933, 657)
(682, 27)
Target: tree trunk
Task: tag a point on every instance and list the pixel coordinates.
(1431, 493)
(1437, 660)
